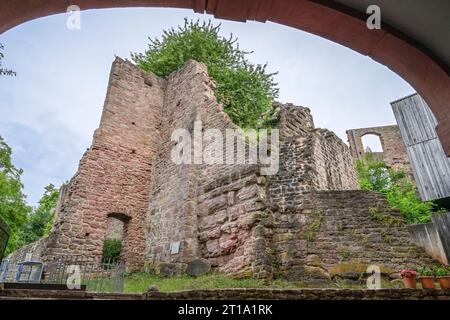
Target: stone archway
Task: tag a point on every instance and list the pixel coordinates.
(429, 76)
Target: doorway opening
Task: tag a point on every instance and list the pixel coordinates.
(114, 237)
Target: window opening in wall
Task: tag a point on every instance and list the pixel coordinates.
(372, 144)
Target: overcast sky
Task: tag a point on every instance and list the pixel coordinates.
(48, 113)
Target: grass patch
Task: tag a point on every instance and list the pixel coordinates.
(140, 282)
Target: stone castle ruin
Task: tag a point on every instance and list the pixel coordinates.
(394, 151)
(308, 221)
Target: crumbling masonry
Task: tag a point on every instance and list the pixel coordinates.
(394, 151)
(309, 221)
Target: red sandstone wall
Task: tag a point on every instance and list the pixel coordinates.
(207, 208)
(230, 210)
(239, 221)
(172, 213)
(114, 173)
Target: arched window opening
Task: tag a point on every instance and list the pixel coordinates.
(372, 145)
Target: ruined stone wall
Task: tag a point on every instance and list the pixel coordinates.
(291, 224)
(115, 172)
(172, 212)
(339, 233)
(34, 251)
(208, 208)
(394, 150)
(333, 163)
(230, 211)
(294, 120)
(312, 160)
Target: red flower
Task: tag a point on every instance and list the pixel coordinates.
(408, 273)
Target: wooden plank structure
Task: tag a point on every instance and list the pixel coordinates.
(431, 166)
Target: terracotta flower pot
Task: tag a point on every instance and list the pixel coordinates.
(410, 282)
(444, 282)
(427, 282)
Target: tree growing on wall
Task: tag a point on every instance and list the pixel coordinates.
(398, 188)
(246, 90)
(13, 207)
(4, 71)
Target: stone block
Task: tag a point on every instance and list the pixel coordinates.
(198, 267)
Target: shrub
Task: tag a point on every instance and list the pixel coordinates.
(426, 271)
(441, 271)
(398, 188)
(40, 220)
(13, 207)
(112, 248)
(246, 90)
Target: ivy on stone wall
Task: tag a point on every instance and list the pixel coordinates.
(246, 90)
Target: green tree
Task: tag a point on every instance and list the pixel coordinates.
(398, 188)
(3, 71)
(246, 90)
(40, 221)
(13, 207)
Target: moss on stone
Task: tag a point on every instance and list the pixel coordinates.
(355, 267)
(314, 227)
(386, 219)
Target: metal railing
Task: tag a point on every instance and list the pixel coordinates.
(74, 272)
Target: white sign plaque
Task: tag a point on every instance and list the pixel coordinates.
(175, 247)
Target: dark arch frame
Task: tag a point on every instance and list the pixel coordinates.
(119, 216)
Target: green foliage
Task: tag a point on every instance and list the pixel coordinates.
(140, 282)
(112, 249)
(441, 271)
(13, 207)
(426, 271)
(27, 225)
(399, 190)
(3, 71)
(40, 221)
(246, 90)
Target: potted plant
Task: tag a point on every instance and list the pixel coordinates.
(427, 277)
(443, 275)
(409, 278)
